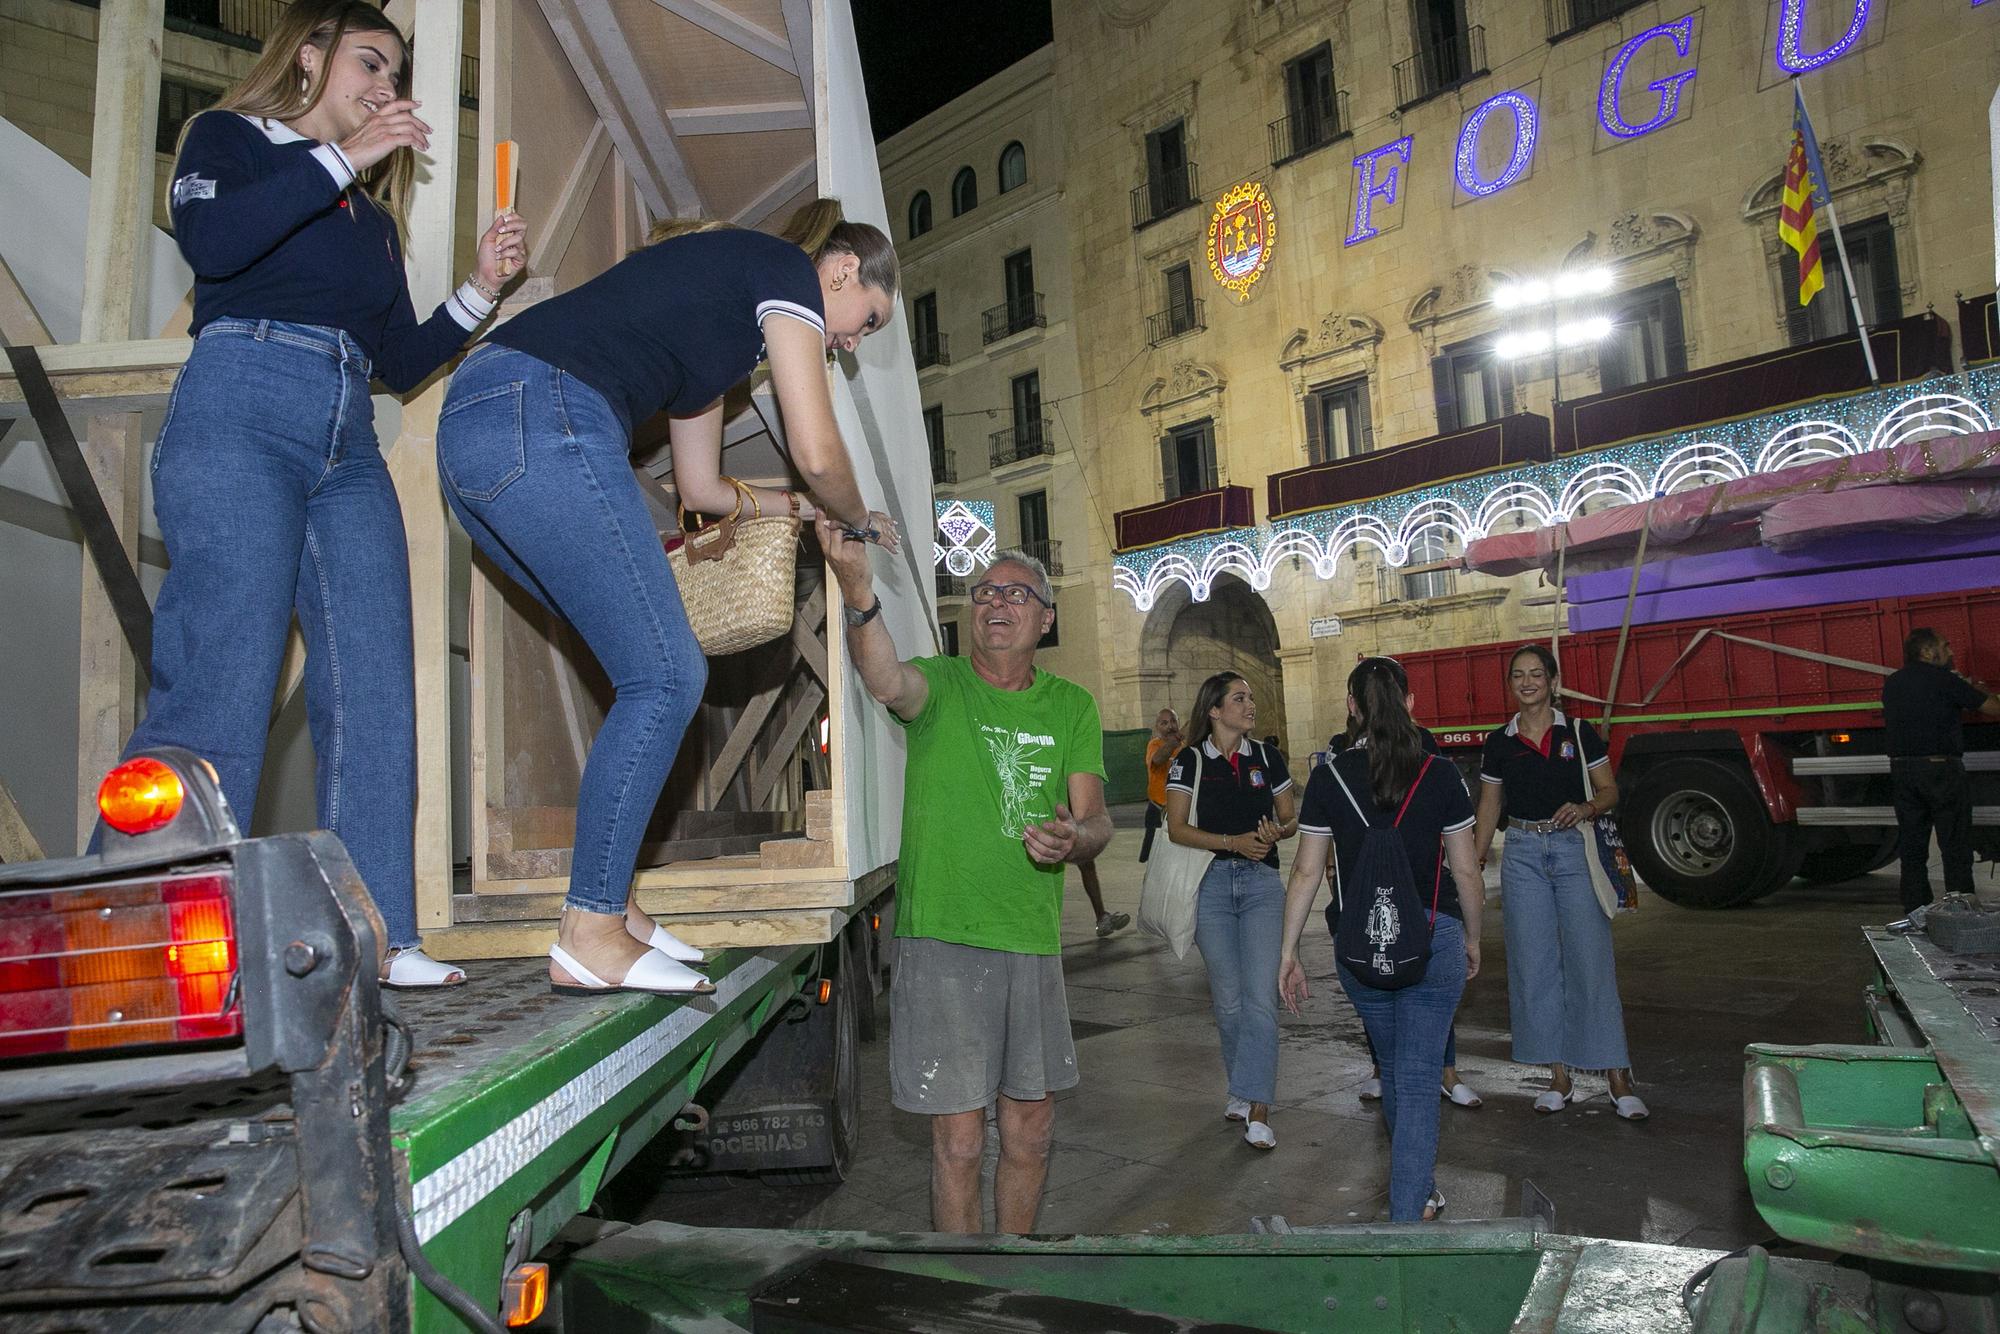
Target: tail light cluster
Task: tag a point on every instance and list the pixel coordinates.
(128, 963)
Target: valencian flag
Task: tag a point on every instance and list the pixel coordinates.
(1805, 195)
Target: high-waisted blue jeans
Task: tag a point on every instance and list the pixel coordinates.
(1239, 923)
(535, 464)
(273, 498)
(1562, 978)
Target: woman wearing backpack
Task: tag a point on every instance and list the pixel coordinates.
(1562, 982)
(1410, 802)
(1243, 805)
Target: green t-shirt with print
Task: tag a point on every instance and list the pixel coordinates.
(983, 765)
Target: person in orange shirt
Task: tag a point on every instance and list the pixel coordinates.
(1160, 752)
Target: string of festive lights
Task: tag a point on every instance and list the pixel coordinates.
(960, 523)
(1544, 494)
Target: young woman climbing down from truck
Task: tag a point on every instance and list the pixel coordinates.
(533, 449)
(268, 480)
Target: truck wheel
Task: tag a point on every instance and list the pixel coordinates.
(1699, 836)
(1844, 861)
(850, 993)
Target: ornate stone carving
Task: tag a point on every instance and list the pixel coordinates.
(1187, 380)
(1465, 285)
(1336, 332)
(1129, 13)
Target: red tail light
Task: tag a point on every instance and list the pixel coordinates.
(140, 795)
(132, 963)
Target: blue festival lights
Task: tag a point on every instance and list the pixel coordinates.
(1368, 188)
(1527, 128)
(1792, 57)
(1681, 33)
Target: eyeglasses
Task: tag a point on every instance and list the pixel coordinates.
(1015, 594)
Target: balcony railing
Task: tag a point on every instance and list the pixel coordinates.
(944, 466)
(1015, 314)
(932, 349)
(1162, 194)
(950, 585)
(1185, 318)
(1022, 441)
(1315, 125)
(242, 23)
(1048, 552)
(1440, 65)
(1573, 16)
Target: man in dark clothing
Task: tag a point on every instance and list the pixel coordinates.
(1921, 709)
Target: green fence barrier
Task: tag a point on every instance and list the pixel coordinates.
(1125, 765)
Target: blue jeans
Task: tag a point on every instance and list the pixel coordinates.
(1239, 919)
(1407, 1028)
(535, 464)
(273, 498)
(1562, 980)
(1450, 1047)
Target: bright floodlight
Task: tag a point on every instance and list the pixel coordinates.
(1584, 331)
(1533, 292)
(1513, 346)
(1583, 282)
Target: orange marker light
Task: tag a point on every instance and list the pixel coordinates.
(825, 990)
(1841, 738)
(140, 795)
(526, 1293)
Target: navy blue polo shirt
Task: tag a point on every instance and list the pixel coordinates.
(1438, 806)
(1537, 781)
(672, 326)
(1236, 790)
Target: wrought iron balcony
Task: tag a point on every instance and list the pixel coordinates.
(1184, 318)
(1022, 441)
(1048, 552)
(932, 349)
(1573, 16)
(1014, 315)
(1314, 125)
(1167, 192)
(1439, 66)
(944, 465)
(950, 585)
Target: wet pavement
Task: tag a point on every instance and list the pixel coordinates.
(1141, 1145)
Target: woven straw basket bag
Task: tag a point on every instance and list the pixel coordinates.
(737, 576)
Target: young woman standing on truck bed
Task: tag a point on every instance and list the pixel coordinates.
(1562, 981)
(533, 449)
(268, 481)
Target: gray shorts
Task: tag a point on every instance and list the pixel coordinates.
(966, 1023)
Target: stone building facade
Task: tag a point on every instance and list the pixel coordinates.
(978, 200)
(1659, 132)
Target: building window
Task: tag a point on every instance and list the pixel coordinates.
(1169, 183)
(1028, 437)
(943, 466)
(964, 192)
(1018, 274)
(920, 214)
(1183, 312)
(1187, 458)
(179, 104)
(924, 338)
(1871, 250)
(949, 631)
(1033, 510)
(1471, 386)
(1310, 117)
(1449, 50)
(1337, 425)
(1646, 342)
(1013, 167)
(1430, 548)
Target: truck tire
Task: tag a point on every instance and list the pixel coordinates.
(1844, 861)
(850, 994)
(1698, 835)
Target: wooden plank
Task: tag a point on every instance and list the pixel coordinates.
(790, 854)
(799, 36)
(775, 897)
(496, 940)
(805, 637)
(745, 118)
(108, 674)
(590, 36)
(546, 253)
(737, 749)
(819, 815)
(19, 321)
(17, 842)
(777, 194)
(733, 28)
(785, 744)
(718, 871)
(555, 863)
(127, 107)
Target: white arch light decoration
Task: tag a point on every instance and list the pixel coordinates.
(1543, 494)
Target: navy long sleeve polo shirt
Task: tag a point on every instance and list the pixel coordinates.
(268, 223)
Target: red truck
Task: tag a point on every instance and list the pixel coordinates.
(1743, 757)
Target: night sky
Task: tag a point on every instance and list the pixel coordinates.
(916, 55)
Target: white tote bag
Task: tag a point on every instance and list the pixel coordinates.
(1173, 881)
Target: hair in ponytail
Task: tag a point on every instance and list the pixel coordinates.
(1206, 700)
(820, 230)
(1379, 687)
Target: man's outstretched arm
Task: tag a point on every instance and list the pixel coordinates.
(894, 683)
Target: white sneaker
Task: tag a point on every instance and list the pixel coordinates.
(1259, 1136)
(1372, 1090)
(1236, 1110)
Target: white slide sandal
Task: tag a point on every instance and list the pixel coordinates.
(414, 970)
(652, 973)
(671, 945)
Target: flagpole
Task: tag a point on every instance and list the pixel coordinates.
(1840, 244)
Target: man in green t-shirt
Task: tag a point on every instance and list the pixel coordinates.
(1003, 786)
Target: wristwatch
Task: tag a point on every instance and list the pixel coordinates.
(857, 619)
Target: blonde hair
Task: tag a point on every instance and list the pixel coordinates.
(276, 88)
(820, 230)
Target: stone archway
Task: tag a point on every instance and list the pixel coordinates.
(1185, 641)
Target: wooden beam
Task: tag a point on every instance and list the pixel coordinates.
(749, 118)
(785, 744)
(546, 251)
(733, 28)
(19, 321)
(17, 842)
(799, 34)
(744, 735)
(598, 52)
(778, 194)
